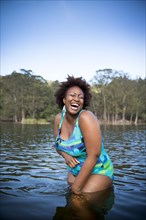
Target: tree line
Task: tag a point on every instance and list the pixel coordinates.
(115, 97)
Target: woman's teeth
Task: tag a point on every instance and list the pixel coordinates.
(74, 106)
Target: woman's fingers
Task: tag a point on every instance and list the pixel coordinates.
(76, 161)
(73, 162)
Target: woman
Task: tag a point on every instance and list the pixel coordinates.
(78, 139)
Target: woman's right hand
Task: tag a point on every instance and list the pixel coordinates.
(70, 161)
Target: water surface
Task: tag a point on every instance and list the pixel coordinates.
(33, 176)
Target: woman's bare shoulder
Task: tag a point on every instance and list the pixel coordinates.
(87, 114)
(90, 127)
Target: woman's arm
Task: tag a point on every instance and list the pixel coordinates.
(69, 160)
(90, 128)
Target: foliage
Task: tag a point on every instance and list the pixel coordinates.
(28, 98)
(24, 95)
(117, 98)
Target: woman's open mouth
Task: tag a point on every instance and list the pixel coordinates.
(74, 106)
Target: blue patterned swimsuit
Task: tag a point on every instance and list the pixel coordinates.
(75, 147)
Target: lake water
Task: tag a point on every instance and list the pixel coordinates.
(33, 177)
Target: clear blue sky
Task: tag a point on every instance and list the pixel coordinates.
(56, 38)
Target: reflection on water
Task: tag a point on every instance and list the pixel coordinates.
(86, 207)
(33, 176)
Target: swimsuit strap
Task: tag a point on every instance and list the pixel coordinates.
(77, 121)
(62, 117)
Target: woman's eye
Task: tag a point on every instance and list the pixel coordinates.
(72, 95)
(75, 95)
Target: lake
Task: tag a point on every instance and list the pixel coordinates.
(33, 176)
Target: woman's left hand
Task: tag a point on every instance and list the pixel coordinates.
(75, 190)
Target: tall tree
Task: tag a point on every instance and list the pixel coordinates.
(101, 79)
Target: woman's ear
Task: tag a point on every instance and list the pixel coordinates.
(64, 100)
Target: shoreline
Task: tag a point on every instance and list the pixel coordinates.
(44, 122)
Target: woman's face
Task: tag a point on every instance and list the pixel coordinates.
(74, 99)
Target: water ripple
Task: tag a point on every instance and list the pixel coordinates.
(30, 166)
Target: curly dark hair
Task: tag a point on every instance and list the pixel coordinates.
(72, 81)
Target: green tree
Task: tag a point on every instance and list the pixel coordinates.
(24, 95)
(100, 81)
(52, 108)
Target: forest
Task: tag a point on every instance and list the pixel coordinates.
(26, 97)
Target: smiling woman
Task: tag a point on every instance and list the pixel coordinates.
(74, 99)
(78, 139)
(78, 96)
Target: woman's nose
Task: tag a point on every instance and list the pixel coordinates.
(76, 97)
